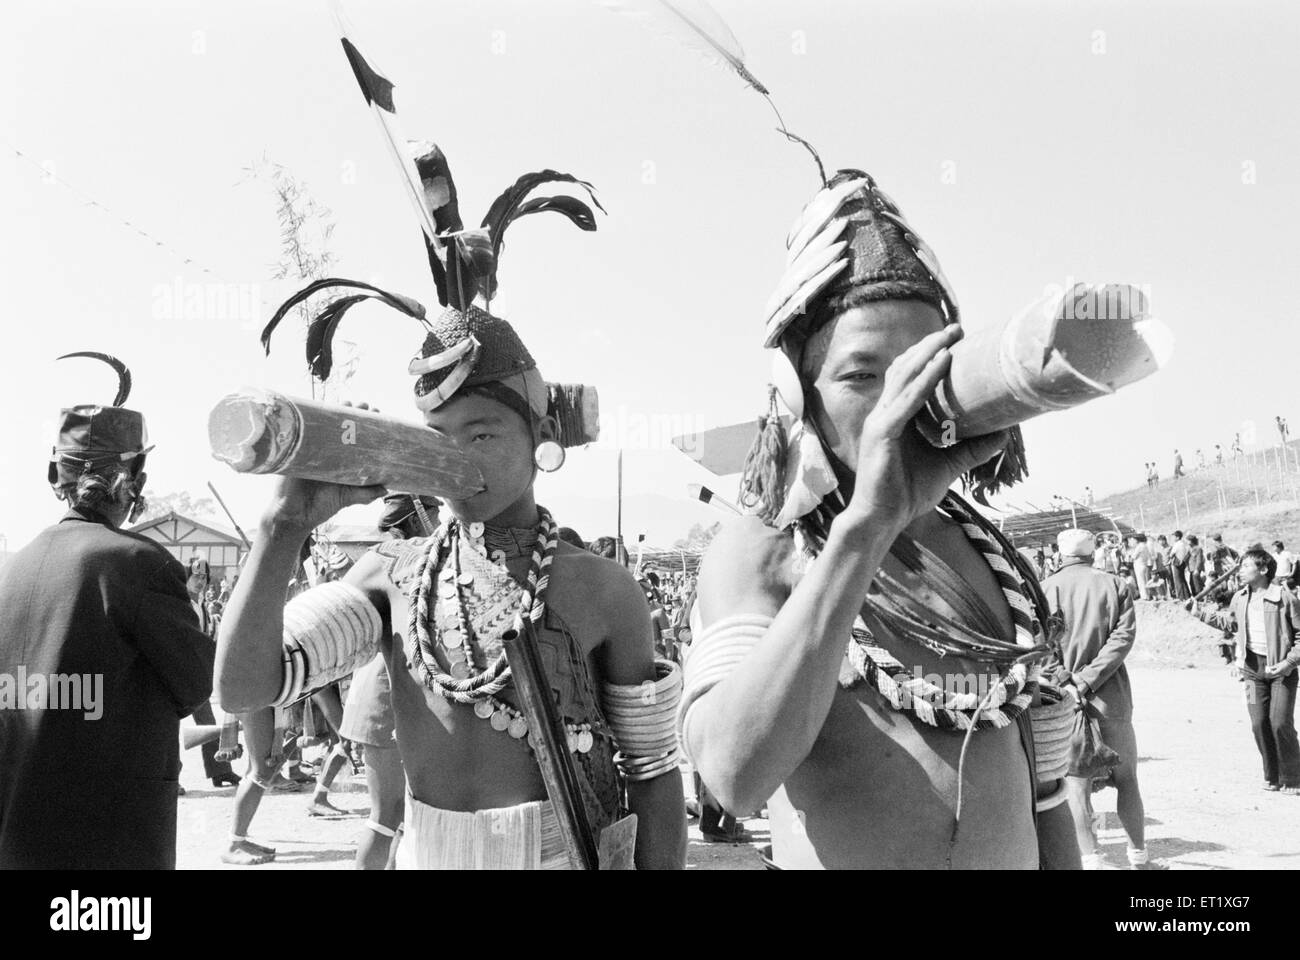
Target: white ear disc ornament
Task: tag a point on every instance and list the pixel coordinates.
(549, 456)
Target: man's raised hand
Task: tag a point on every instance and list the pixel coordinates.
(300, 504)
(899, 474)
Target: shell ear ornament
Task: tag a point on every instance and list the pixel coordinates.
(549, 456)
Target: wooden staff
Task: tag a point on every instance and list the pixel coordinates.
(1210, 587)
(199, 734)
(550, 744)
(230, 516)
(268, 432)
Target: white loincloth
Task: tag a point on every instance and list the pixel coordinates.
(523, 837)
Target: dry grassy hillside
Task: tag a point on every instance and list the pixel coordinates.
(1255, 499)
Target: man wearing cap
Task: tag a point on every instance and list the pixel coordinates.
(1100, 627)
(101, 656)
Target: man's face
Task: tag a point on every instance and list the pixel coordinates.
(1251, 574)
(844, 364)
(496, 440)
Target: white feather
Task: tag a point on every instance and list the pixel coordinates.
(695, 25)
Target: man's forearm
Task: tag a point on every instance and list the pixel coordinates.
(660, 808)
(248, 671)
(757, 725)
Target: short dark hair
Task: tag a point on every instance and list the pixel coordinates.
(1178, 533)
(1193, 540)
(1261, 558)
(1278, 544)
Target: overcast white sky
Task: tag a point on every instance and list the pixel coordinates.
(1152, 143)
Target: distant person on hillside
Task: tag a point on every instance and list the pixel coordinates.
(1236, 446)
(1283, 429)
(1218, 455)
(1151, 475)
(1178, 551)
(1178, 465)
(1286, 564)
(1155, 475)
(1200, 459)
(1195, 565)
(1265, 618)
(1100, 627)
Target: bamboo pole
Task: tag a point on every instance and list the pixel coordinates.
(1097, 340)
(268, 432)
(618, 531)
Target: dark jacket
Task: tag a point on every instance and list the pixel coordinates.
(1281, 623)
(86, 792)
(1100, 627)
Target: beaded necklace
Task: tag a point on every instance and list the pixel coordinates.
(1001, 698)
(468, 680)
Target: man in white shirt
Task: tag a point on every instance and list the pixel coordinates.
(1285, 565)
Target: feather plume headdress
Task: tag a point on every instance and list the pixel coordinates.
(851, 244)
(465, 346)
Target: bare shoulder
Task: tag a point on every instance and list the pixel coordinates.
(603, 603)
(748, 568)
(607, 586)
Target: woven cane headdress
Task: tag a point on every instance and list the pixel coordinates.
(850, 245)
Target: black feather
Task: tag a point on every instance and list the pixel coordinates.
(403, 304)
(123, 374)
(320, 334)
(506, 208)
(376, 88)
(320, 331)
(578, 212)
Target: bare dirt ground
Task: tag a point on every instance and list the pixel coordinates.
(1199, 770)
(303, 842)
